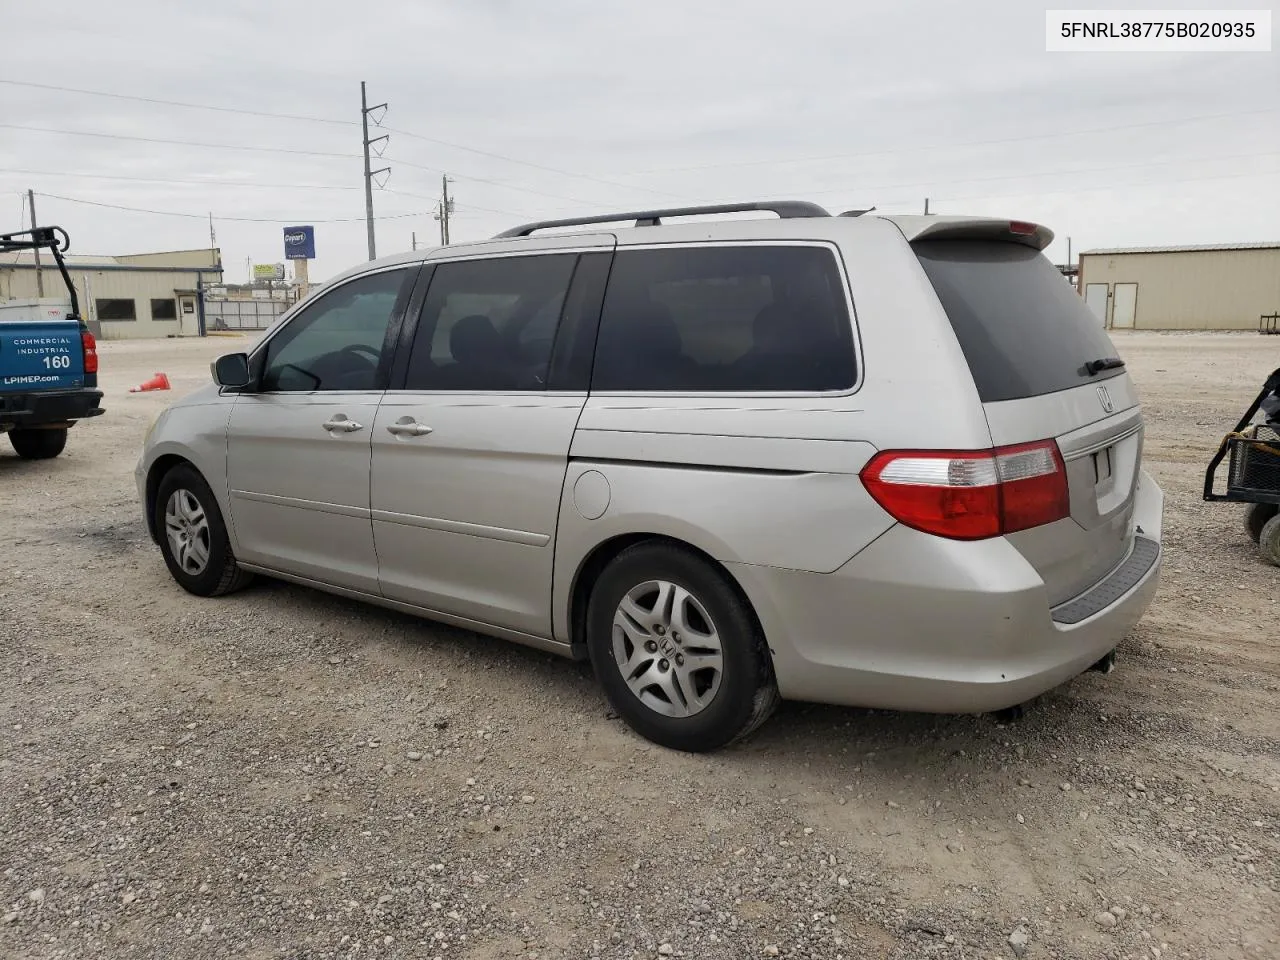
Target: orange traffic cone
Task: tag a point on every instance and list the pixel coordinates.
(158, 382)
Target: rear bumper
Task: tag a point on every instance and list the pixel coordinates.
(916, 622)
(54, 407)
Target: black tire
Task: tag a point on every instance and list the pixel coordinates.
(220, 574)
(747, 693)
(38, 444)
(1269, 541)
(1256, 516)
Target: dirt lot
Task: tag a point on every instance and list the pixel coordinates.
(285, 774)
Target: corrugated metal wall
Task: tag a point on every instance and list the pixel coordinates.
(92, 285)
(222, 314)
(1191, 290)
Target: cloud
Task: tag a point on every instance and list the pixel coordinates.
(669, 101)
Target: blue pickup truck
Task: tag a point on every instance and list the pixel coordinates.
(48, 359)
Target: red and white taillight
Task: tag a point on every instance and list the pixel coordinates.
(90, 347)
(971, 495)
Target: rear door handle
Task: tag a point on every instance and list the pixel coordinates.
(408, 427)
(342, 424)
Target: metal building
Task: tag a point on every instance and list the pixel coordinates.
(1208, 287)
(128, 297)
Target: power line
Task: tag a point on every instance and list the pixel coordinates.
(173, 103)
(285, 150)
(460, 204)
(865, 188)
(952, 146)
(530, 164)
(181, 143)
(332, 120)
(500, 184)
(204, 216)
(502, 213)
(201, 183)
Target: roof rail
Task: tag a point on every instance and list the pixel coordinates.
(785, 209)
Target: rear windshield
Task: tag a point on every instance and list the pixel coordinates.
(1023, 329)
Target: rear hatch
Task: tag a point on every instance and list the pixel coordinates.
(40, 348)
(1038, 358)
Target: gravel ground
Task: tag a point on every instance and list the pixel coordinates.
(286, 774)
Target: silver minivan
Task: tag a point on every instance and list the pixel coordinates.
(884, 461)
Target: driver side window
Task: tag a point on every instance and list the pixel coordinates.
(335, 343)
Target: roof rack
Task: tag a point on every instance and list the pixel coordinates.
(785, 209)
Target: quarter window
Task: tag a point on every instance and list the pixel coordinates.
(490, 324)
(337, 342)
(725, 319)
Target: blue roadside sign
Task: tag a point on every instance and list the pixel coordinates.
(299, 243)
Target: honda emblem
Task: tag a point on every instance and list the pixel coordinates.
(1104, 398)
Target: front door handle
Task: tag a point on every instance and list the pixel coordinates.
(408, 427)
(342, 424)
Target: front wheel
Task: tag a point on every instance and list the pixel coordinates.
(193, 536)
(38, 444)
(678, 650)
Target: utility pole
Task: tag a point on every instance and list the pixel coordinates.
(31, 205)
(446, 208)
(415, 240)
(213, 244)
(369, 174)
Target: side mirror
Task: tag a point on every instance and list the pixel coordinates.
(231, 370)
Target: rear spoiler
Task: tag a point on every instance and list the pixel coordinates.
(973, 228)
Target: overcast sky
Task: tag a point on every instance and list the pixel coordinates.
(580, 106)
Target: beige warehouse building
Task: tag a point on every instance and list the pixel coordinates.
(1209, 287)
(139, 296)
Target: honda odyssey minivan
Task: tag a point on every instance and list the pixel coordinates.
(884, 461)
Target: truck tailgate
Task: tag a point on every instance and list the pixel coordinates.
(41, 355)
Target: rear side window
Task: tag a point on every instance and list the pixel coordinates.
(490, 324)
(736, 318)
(1023, 329)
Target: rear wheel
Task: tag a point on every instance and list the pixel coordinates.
(1269, 541)
(1256, 516)
(193, 536)
(38, 444)
(678, 651)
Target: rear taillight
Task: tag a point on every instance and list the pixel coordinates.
(90, 346)
(971, 495)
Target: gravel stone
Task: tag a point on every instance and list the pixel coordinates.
(1018, 941)
(293, 821)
